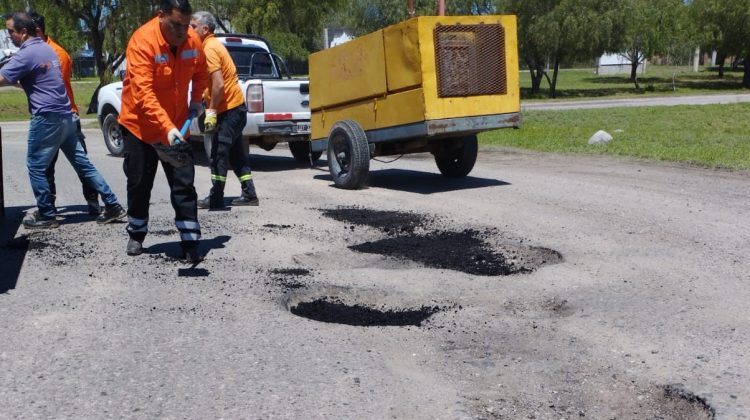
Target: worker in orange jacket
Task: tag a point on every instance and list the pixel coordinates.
(164, 56)
(226, 117)
(66, 67)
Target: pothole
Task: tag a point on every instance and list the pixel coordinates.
(411, 237)
(462, 251)
(684, 404)
(346, 306)
(391, 222)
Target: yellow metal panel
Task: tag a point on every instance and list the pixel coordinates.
(395, 109)
(456, 107)
(402, 59)
(349, 72)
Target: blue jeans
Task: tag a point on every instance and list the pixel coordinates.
(48, 133)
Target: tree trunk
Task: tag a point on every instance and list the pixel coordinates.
(720, 60)
(634, 72)
(553, 83)
(537, 72)
(746, 75)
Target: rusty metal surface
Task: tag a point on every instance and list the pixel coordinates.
(470, 60)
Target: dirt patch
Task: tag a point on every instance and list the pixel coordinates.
(391, 222)
(288, 277)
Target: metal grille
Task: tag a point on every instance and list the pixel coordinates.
(470, 60)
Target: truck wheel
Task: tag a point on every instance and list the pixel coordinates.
(113, 135)
(348, 155)
(301, 151)
(459, 161)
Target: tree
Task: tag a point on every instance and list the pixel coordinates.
(725, 26)
(650, 27)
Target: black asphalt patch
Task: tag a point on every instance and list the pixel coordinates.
(392, 222)
(334, 311)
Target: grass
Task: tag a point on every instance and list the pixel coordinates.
(713, 136)
(14, 106)
(658, 81)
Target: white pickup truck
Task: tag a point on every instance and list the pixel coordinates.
(278, 106)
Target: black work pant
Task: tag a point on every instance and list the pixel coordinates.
(227, 147)
(89, 192)
(140, 166)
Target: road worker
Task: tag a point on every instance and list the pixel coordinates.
(37, 68)
(164, 56)
(226, 116)
(66, 67)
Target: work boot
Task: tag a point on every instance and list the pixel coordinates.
(211, 202)
(134, 247)
(57, 216)
(37, 221)
(111, 214)
(245, 201)
(94, 208)
(191, 254)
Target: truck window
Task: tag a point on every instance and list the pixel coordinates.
(253, 62)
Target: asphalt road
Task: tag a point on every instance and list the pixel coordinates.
(632, 303)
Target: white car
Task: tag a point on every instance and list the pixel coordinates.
(278, 107)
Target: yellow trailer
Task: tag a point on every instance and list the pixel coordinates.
(428, 84)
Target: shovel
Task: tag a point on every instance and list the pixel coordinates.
(179, 154)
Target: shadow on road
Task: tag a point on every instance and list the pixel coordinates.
(173, 251)
(422, 182)
(12, 249)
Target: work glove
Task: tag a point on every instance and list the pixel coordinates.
(195, 108)
(174, 137)
(210, 120)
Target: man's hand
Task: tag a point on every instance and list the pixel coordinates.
(210, 120)
(174, 136)
(195, 108)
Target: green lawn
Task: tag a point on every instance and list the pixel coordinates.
(715, 136)
(14, 107)
(658, 81)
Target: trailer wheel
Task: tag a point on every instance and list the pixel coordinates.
(301, 151)
(113, 135)
(459, 161)
(348, 155)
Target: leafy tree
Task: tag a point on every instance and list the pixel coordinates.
(725, 26)
(650, 27)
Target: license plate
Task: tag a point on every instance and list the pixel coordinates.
(303, 128)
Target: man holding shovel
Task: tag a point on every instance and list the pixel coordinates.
(164, 56)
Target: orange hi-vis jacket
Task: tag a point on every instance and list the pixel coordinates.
(218, 59)
(155, 88)
(66, 67)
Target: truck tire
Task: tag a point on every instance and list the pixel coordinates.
(113, 135)
(348, 155)
(301, 151)
(459, 161)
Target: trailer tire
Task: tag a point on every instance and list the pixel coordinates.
(348, 155)
(459, 161)
(113, 135)
(301, 151)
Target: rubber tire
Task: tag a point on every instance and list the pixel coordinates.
(301, 151)
(460, 161)
(113, 135)
(348, 155)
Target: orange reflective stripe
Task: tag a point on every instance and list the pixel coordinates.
(155, 88)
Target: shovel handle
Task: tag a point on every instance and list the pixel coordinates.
(186, 126)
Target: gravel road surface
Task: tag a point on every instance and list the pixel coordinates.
(540, 287)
